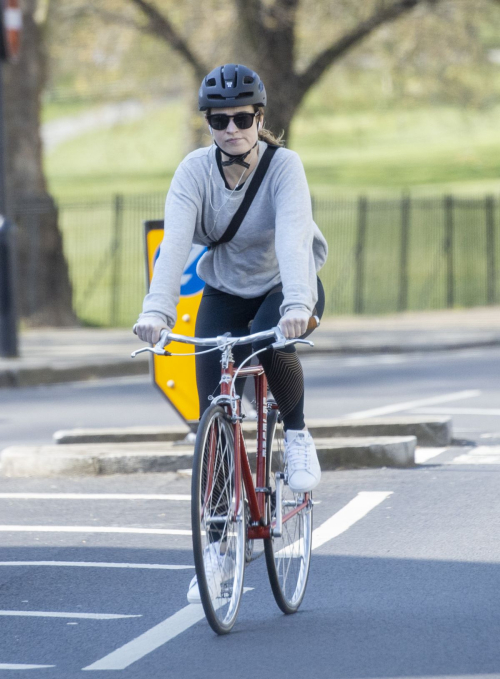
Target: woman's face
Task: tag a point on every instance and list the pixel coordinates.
(232, 139)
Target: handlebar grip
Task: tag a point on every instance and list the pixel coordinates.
(314, 322)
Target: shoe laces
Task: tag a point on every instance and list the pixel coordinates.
(297, 452)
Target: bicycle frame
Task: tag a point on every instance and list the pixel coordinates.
(256, 494)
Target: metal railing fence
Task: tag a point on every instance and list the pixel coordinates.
(385, 255)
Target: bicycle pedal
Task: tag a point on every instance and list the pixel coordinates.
(226, 590)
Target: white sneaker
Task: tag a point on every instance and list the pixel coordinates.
(218, 568)
(304, 472)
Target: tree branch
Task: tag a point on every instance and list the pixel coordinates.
(110, 17)
(383, 15)
(160, 26)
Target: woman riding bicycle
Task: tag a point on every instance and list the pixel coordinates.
(266, 274)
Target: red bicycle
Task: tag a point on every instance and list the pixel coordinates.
(228, 510)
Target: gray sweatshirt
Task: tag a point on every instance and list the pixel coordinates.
(277, 241)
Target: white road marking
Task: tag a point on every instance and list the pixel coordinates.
(479, 455)
(190, 615)
(93, 529)
(424, 454)
(353, 511)
(152, 639)
(459, 411)
(96, 564)
(16, 666)
(337, 524)
(51, 614)
(92, 496)
(409, 405)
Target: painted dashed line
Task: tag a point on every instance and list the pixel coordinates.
(19, 666)
(93, 529)
(52, 614)
(97, 564)
(94, 496)
(410, 405)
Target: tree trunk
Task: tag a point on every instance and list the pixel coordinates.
(268, 34)
(44, 288)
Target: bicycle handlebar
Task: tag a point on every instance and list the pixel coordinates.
(222, 341)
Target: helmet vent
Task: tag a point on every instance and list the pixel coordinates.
(211, 82)
(248, 80)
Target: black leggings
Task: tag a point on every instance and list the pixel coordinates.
(220, 312)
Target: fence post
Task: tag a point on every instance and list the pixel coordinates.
(115, 250)
(8, 320)
(489, 208)
(403, 264)
(360, 259)
(448, 247)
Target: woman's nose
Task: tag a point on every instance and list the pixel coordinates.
(231, 127)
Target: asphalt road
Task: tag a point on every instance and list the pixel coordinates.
(406, 583)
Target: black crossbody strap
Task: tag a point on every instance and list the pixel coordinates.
(250, 194)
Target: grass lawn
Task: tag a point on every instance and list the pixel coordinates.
(425, 151)
(381, 153)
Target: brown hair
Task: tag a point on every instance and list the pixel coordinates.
(264, 134)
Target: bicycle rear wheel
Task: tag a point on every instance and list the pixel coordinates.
(288, 557)
(219, 527)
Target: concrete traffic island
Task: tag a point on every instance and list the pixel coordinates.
(429, 431)
(126, 458)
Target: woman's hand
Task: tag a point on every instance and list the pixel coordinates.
(294, 323)
(148, 328)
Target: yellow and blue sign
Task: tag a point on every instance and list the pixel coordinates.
(175, 376)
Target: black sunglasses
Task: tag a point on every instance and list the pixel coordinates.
(243, 121)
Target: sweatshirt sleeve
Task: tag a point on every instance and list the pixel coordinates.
(181, 209)
(294, 236)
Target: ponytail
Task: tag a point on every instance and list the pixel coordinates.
(265, 134)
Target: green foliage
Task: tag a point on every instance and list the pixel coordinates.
(427, 150)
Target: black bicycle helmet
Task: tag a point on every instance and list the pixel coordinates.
(231, 85)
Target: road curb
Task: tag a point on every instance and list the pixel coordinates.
(127, 458)
(429, 431)
(30, 377)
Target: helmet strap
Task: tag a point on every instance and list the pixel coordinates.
(236, 159)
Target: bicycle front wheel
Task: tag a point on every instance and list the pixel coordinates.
(218, 525)
(288, 557)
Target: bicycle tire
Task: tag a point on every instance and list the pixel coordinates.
(288, 558)
(218, 527)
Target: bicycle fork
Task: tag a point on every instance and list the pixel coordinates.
(278, 526)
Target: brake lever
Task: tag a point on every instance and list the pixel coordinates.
(282, 341)
(152, 350)
(159, 347)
